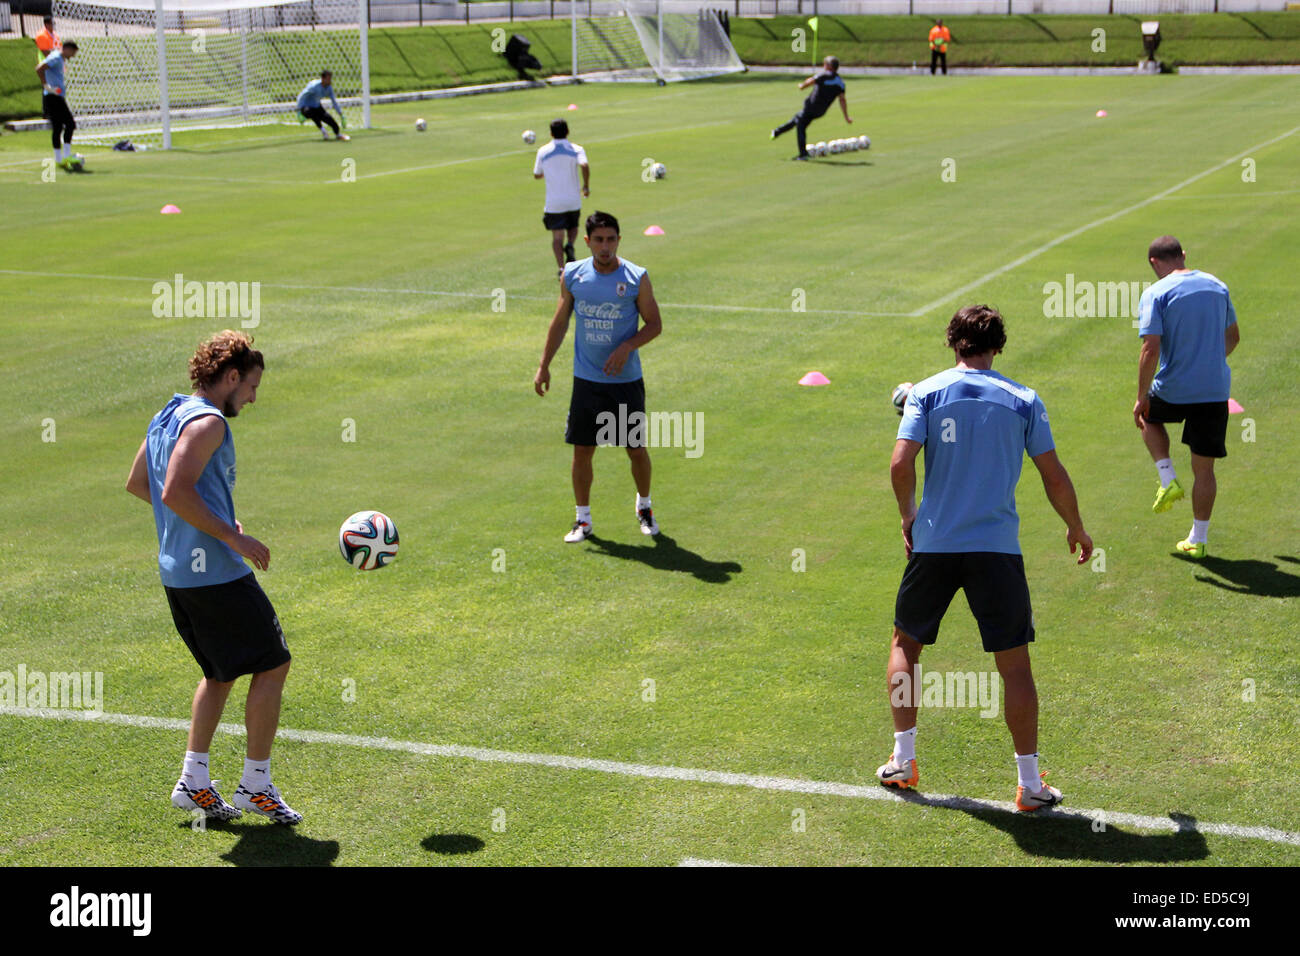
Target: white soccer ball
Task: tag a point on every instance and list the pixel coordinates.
(900, 396)
(78, 161)
(819, 149)
(368, 540)
(421, 125)
(864, 142)
(660, 170)
(851, 143)
(530, 137)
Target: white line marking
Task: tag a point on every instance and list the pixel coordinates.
(696, 861)
(375, 290)
(658, 772)
(1066, 237)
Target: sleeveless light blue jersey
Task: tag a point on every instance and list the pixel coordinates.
(1190, 311)
(976, 426)
(187, 557)
(604, 307)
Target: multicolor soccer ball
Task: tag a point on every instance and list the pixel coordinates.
(421, 126)
(660, 170)
(900, 396)
(820, 149)
(368, 540)
(530, 137)
(864, 142)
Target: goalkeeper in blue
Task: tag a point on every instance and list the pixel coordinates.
(309, 105)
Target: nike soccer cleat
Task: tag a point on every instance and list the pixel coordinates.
(1165, 497)
(648, 524)
(580, 531)
(268, 803)
(207, 800)
(1027, 802)
(897, 777)
(1191, 549)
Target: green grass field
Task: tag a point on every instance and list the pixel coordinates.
(377, 306)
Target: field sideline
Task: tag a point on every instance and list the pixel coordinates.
(1168, 689)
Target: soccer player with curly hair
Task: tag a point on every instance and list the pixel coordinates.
(185, 469)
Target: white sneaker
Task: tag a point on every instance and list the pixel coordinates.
(343, 136)
(580, 531)
(207, 800)
(1047, 797)
(648, 524)
(268, 803)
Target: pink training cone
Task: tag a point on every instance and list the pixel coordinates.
(814, 378)
(1101, 114)
(654, 231)
(169, 209)
(573, 106)
(1234, 408)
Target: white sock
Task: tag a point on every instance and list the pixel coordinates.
(1200, 531)
(1165, 466)
(58, 155)
(905, 746)
(257, 775)
(584, 513)
(195, 771)
(642, 502)
(1027, 767)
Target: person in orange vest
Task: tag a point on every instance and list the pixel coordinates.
(47, 41)
(939, 40)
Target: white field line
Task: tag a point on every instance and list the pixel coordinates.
(376, 290)
(1066, 237)
(658, 772)
(696, 861)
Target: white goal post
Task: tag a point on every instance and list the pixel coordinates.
(651, 40)
(145, 69)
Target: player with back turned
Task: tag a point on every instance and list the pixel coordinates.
(976, 426)
(185, 469)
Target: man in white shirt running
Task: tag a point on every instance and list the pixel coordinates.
(558, 163)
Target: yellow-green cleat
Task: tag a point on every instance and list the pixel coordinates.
(1165, 497)
(1190, 549)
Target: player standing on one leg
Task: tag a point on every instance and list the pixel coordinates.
(976, 427)
(1188, 328)
(185, 469)
(608, 294)
(558, 162)
(309, 105)
(829, 88)
(55, 105)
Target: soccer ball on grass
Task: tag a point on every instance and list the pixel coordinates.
(421, 126)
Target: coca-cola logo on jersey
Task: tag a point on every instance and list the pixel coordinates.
(603, 310)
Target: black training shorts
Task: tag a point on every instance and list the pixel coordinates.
(231, 629)
(1205, 428)
(561, 220)
(996, 592)
(607, 407)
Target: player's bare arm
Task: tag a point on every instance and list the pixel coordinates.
(1148, 360)
(844, 108)
(652, 325)
(808, 82)
(586, 179)
(40, 71)
(1231, 337)
(554, 337)
(902, 475)
(138, 481)
(1060, 492)
(196, 446)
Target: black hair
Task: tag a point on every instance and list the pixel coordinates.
(601, 220)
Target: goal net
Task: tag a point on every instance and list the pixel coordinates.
(648, 40)
(145, 69)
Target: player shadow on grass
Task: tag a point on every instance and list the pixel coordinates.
(1065, 834)
(1249, 575)
(452, 844)
(839, 162)
(271, 844)
(668, 555)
